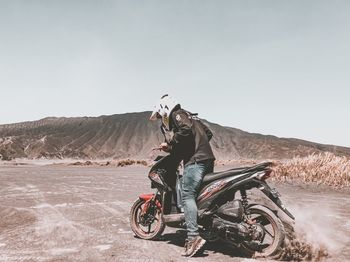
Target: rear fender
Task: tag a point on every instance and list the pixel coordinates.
(272, 210)
(274, 196)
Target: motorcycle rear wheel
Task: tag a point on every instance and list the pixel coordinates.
(151, 230)
(274, 233)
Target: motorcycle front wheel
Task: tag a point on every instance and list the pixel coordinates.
(274, 233)
(146, 225)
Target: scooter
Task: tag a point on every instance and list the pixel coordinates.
(224, 211)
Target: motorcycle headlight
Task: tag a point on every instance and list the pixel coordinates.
(156, 178)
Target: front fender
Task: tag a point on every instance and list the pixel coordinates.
(146, 197)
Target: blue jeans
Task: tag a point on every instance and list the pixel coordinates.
(191, 181)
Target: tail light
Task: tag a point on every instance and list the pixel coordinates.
(265, 175)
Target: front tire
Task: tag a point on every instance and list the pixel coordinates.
(149, 226)
(274, 233)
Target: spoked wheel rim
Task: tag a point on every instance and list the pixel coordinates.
(145, 225)
(269, 228)
(273, 236)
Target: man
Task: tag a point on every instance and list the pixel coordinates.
(190, 141)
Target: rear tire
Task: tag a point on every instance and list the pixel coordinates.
(145, 231)
(273, 223)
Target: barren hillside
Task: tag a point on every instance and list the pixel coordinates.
(133, 135)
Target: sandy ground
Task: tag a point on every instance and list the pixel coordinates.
(57, 213)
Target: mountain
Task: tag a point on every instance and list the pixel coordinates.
(132, 135)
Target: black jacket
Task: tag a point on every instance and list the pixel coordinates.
(191, 137)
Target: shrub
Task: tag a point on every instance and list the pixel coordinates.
(129, 162)
(325, 168)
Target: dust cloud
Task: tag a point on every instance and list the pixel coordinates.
(317, 235)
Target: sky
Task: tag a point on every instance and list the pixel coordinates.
(272, 67)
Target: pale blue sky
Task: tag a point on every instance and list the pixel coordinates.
(272, 67)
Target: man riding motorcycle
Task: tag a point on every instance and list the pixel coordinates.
(190, 142)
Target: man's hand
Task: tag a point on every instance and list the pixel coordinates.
(165, 147)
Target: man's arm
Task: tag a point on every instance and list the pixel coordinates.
(206, 130)
(183, 128)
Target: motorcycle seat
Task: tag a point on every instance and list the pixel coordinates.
(208, 178)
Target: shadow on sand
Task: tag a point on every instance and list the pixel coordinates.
(178, 239)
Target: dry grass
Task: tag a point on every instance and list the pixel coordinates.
(326, 169)
(118, 163)
(129, 162)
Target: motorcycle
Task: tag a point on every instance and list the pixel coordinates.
(224, 211)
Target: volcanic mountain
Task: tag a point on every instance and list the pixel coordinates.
(132, 135)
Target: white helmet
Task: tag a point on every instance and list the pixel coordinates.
(163, 109)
